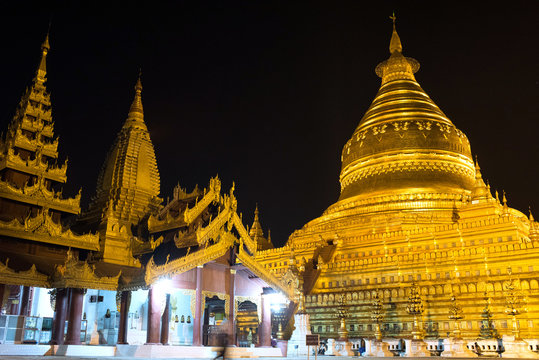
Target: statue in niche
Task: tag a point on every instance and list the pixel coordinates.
(188, 319)
(183, 318)
(107, 314)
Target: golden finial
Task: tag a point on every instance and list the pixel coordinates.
(531, 215)
(256, 210)
(395, 43)
(138, 85)
(504, 199)
(42, 69)
(136, 111)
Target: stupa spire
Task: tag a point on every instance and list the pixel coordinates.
(136, 112)
(395, 44)
(41, 72)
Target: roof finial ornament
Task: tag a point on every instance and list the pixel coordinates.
(42, 69)
(136, 111)
(395, 43)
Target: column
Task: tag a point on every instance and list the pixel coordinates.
(2, 291)
(265, 326)
(125, 299)
(25, 298)
(197, 318)
(154, 316)
(165, 321)
(75, 315)
(60, 312)
(231, 308)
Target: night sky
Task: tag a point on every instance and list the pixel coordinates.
(266, 93)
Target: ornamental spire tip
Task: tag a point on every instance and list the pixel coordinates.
(395, 43)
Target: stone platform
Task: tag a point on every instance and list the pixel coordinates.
(134, 351)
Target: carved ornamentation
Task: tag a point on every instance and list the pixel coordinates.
(78, 274)
(211, 294)
(43, 229)
(30, 277)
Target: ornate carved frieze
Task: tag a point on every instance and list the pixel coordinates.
(79, 274)
(190, 261)
(43, 229)
(38, 194)
(30, 277)
(213, 195)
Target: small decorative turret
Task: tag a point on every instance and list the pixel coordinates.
(481, 192)
(534, 228)
(257, 234)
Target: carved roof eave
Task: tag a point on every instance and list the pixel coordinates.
(244, 235)
(55, 174)
(30, 277)
(41, 197)
(79, 274)
(252, 264)
(168, 223)
(64, 238)
(190, 261)
(135, 284)
(213, 195)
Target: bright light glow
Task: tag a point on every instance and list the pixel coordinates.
(163, 285)
(277, 301)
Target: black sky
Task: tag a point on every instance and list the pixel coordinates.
(266, 93)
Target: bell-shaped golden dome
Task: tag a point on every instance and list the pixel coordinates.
(405, 148)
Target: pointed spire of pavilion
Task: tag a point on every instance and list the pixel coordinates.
(534, 228)
(395, 44)
(41, 72)
(136, 111)
(256, 231)
(481, 191)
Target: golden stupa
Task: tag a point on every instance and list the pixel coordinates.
(414, 212)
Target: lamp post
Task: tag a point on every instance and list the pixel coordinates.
(415, 308)
(455, 314)
(377, 315)
(342, 313)
(513, 304)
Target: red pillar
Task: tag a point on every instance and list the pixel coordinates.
(125, 299)
(2, 291)
(265, 331)
(197, 318)
(165, 321)
(154, 316)
(60, 312)
(75, 315)
(231, 304)
(24, 309)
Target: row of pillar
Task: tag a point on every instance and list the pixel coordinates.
(69, 306)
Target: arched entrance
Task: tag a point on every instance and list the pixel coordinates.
(214, 315)
(247, 324)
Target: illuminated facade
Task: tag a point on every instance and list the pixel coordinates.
(141, 271)
(415, 234)
(414, 210)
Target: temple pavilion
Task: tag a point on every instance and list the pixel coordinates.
(130, 268)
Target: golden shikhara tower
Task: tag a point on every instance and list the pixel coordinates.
(413, 209)
(127, 188)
